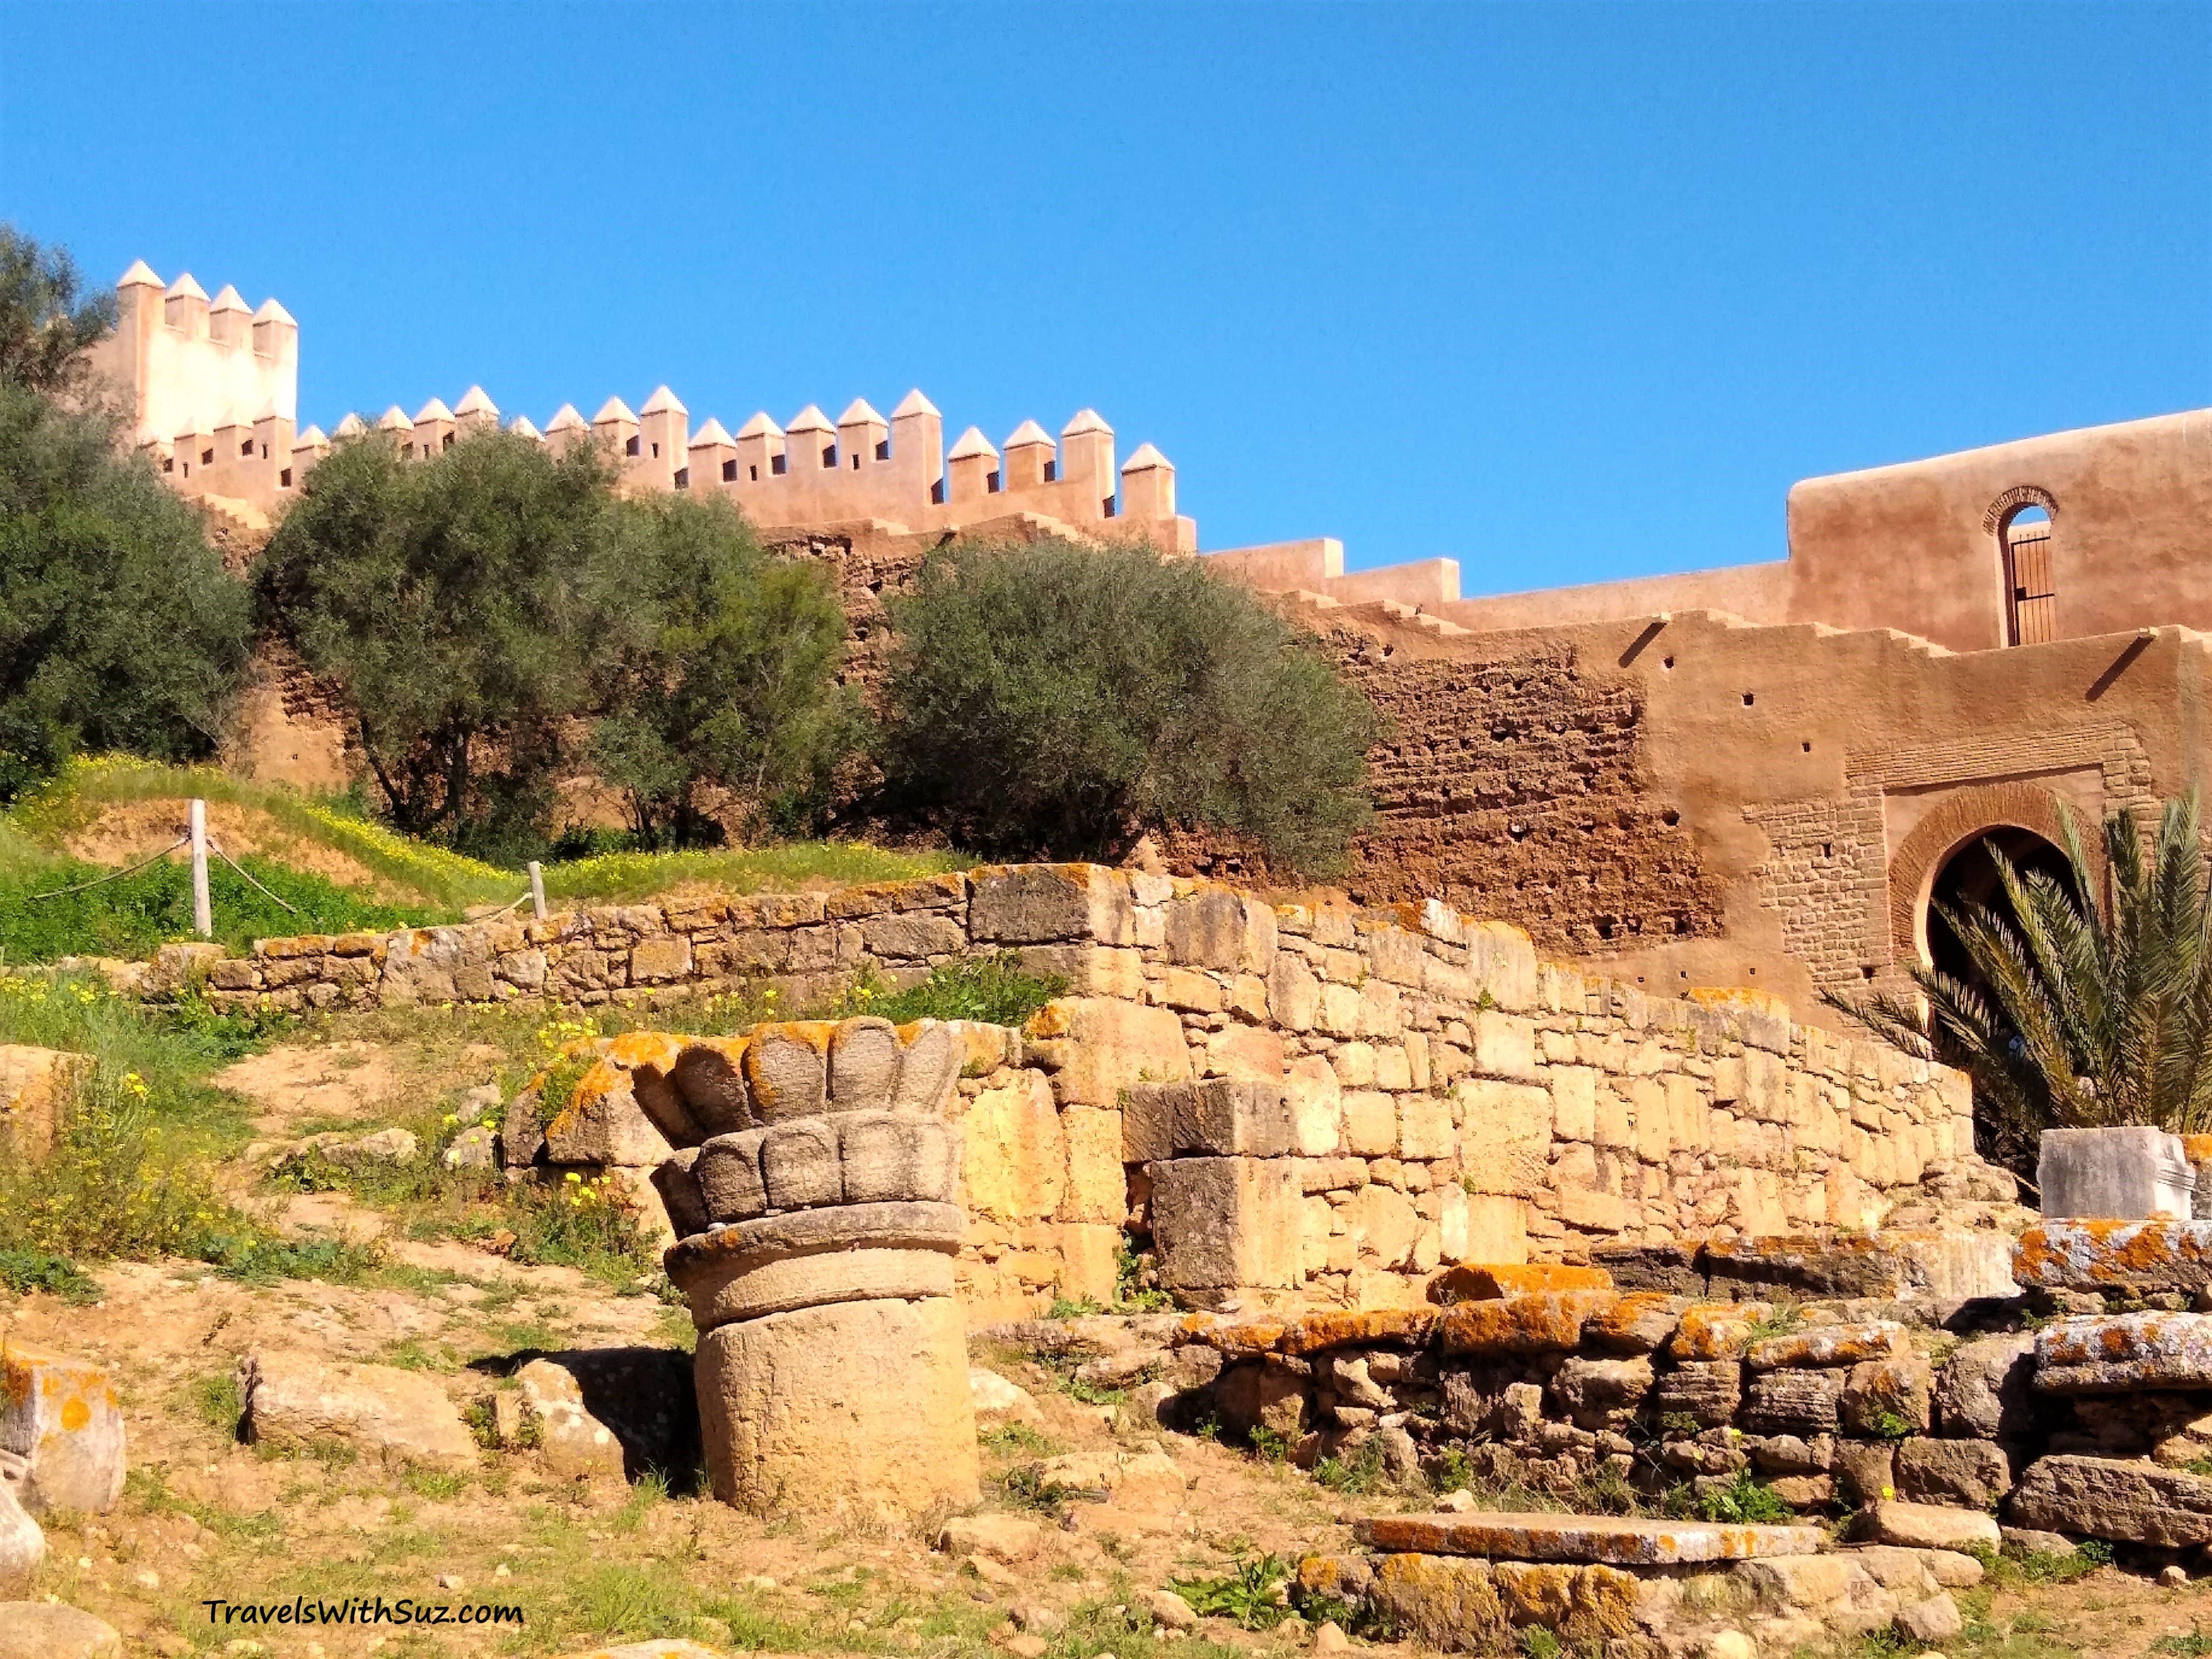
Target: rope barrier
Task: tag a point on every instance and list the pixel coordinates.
(250, 881)
(117, 875)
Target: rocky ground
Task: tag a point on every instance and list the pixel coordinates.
(1089, 1514)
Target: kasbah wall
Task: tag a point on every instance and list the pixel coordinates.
(1750, 776)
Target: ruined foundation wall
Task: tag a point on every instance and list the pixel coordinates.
(1447, 1097)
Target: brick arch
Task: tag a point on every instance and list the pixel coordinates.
(1970, 814)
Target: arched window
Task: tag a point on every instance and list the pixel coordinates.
(2031, 598)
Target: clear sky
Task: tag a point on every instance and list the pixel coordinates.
(1564, 291)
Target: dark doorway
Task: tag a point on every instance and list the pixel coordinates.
(1969, 877)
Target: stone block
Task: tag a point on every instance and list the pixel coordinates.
(1254, 1394)
(1548, 1321)
(1216, 927)
(1983, 1391)
(848, 1408)
(1497, 1227)
(1095, 1047)
(1885, 1398)
(54, 1630)
(1014, 1160)
(1447, 1603)
(614, 1412)
(1046, 903)
(1502, 962)
(1491, 1281)
(1601, 1394)
(1928, 1526)
(727, 1171)
(1866, 1470)
(297, 1403)
(1574, 1102)
(656, 961)
(1098, 1187)
(1612, 1540)
(60, 1416)
(2096, 1255)
(1668, 1267)
(1801, 1402)
(1384, 1224)
(2126, 1173)
(1806, 1266)
(2125, 1502)
(1505, 1136)
(1219, 1222)
(1971, 1475)
(1830, 1345)
(1717, 1330)
(1505, 1045)
(1221, 1117)
(1370, 1123)
(2125, 1353)
(799, 1164)
(1640, 1321)
(36, 1085)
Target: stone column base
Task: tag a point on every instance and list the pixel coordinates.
(859, 1406)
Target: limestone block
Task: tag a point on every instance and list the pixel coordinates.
(1931, 1526)
(1505, 1136)
(2117, 1174)
(1088, 1261)
(1043, 903)
(1601, 1394)
(1592, 1209)
(1549, 1322)
(865, 1059)
(1793, 1402)
(22, 1545)
(1446, 1603)
(1984, 1391)
(1640, 1321)
(1574, 1102)
(799, 1164)
(614, 1412)
(1098, 1182)
(1505, 1045)
(1881, 1394)
(1009, 1540)
(1669, 1267)
(1256, 1394)
(1014, 1164)
(1497, 1228)
(1612, 1541)
(654, 960)
(1866, 1470)
(36, 1085)
(1425, 1128)
(53, 1629)
(1970, 1475)
(1370, 1123)
(1381, 1014)
(1225, 1222)
(1293, 993)
(1317, 1105)
(1221, 1117)
(1096, 1047)
(912, 935)
(61, 1417)
(1216, 927)
(1830, 1345)
(2123, 1353)
(295, 1402)
(786, 1067)
(1504, 964)
(602, 1122)
(1935, 1619)
(1808, 1267)
(2093, 1255)
(1384, 1224)
(843, 1407)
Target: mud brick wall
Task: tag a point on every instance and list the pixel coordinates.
(1519, 787)
(1436, 1094)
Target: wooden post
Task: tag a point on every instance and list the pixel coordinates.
(537, 889)
(202, 911)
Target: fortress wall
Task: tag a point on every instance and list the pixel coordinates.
(1442, 1095)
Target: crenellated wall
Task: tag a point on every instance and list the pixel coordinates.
(1427, 1091)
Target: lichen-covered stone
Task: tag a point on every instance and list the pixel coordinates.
(61, 1415)
(1641, 1321)
(2127, 1503)
(2093, 1256)
(1547, 1321)
(1601, 1394)
(1447, 1603)
(1793, 1402)
(1707, 1391)
(1970, 1473)
(2125, 1353)
(1614, 1540)
(1718, 1330)
(1886, 1399)
(1474, 1281)
(1829, 1344)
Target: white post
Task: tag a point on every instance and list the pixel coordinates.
(537, 889)
(202, 911)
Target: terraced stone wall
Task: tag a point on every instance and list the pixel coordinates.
(1419, 1089)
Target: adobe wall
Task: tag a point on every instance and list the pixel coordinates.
(1770, 805)
(1445, 1097)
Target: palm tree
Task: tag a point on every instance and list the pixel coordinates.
(2096, 1014)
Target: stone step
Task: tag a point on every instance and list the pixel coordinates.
(1610, 1539)
(2124, 1353)
(2096, 1255)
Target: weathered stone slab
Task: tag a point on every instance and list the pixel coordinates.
(1639, 1322)
(1612, 1540)
(2127, 1173)
(1829, 1344)
(1969, 1473)
(34, 1084)
(1549, 1322)
(1670, 1267)
(1799, 1403)
(1928, 1526)
(1226, 1222)
(1221, 1117)
(1474, 1281)
(765, 1238)
(1805, 1266)
(1315, 1332)
(2124, 1353)
(22, 1545)
(1448, 1603)
(48, 1630)
(1708, 1390)
(1983, 1392)
(61, 1417)
(2096, 1255)
(2129, 1503)
(295, 1402)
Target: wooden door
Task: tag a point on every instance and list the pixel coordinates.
(2031, 600)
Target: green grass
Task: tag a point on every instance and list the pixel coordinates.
(989, 988)
(616, 876)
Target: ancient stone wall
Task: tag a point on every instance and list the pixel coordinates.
(1417, 1089)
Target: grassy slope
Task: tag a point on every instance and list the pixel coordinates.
(131, 917)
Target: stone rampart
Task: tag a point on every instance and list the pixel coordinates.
(1415, 1088)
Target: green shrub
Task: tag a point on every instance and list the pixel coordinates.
(25, 1271)
(990, 988)
(1054, 698)
(1247, 1593)
(1744, 1501)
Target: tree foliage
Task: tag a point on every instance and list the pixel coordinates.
(461, 602)
(1050, 698)
(118, 628)
(47, 319)
(2097, 1014)
(723, 680)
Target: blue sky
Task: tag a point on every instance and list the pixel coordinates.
(1564, 291)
